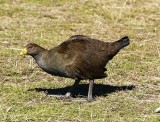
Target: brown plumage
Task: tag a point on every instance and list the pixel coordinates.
(79, 58)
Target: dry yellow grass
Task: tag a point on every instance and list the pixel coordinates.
(48, 23)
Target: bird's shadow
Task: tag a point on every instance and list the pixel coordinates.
(82, 90)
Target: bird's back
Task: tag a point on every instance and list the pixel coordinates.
(83, 57)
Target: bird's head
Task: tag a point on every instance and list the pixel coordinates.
(31, 49)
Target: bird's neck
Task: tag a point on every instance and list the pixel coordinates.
(36, 57)
(41, 59)
(40, 54)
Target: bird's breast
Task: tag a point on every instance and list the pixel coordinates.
(42, 64)
(51, 69)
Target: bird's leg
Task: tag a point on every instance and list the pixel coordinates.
(90, 91)
(68, 94)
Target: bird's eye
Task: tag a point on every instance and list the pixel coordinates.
(30, 47)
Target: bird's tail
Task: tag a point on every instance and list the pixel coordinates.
(118, 45)
(123, 42)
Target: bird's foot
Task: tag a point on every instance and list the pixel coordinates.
(90, 99)
(62, 97)
(67, 97)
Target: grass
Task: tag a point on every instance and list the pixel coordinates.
(48, 23)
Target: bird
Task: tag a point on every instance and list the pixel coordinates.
(79, 58)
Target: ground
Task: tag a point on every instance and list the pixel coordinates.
(130, 93)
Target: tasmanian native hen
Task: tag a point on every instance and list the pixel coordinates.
(80, 58)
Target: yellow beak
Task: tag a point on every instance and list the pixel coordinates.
(24, 52)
